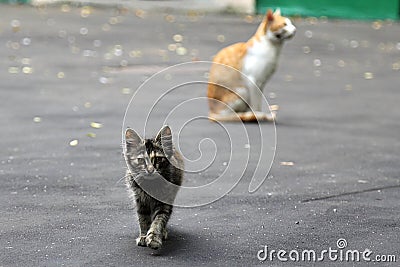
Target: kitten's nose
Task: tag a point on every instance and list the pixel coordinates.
(150, 169)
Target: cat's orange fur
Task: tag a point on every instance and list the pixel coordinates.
(226, 74)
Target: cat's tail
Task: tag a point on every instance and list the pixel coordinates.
(244, 116)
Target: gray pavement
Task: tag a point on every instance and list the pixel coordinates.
(62, 202)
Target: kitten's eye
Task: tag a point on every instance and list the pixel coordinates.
(285, 24)
(141, 161)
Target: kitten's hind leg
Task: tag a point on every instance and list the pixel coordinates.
(165, 234)
(144, 224)
(157, 231)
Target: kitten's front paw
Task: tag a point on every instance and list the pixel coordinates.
(153, 241)
(141, 241)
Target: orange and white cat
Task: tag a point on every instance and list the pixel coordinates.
(240, 71)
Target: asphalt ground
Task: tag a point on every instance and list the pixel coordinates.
(67, 76)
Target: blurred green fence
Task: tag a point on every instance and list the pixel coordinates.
(14, 1)
(353, 9)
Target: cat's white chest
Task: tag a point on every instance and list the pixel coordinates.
(260, 62)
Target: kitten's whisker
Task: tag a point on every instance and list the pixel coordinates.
(122, 178)
(137, 176)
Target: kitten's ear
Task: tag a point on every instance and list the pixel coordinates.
(270, 15)
(277, 12)
(132, 139)
(164, 137)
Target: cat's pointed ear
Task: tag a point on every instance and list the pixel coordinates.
(132, 139)
(269, 16)
(164, 137)
(277, 12)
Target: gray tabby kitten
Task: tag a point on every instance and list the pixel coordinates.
(147, 159)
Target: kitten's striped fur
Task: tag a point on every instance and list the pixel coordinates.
(145, 159)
